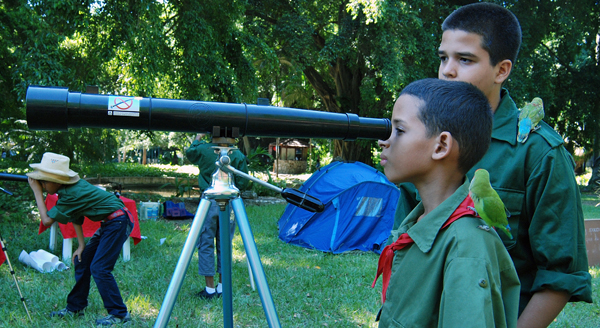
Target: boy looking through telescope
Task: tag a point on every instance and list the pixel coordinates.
(78, 199)
(204, 155)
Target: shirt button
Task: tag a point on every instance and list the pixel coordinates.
(483, 283)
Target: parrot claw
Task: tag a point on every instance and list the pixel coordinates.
(484, 227)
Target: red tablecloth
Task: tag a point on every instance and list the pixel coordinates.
(89, 226)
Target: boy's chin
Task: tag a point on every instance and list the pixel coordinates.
(392, 178)
(396, 179)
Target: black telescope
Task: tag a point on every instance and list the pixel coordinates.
(13, 177)
(55, 108)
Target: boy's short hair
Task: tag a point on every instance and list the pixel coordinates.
(498, 27)
(459, 108)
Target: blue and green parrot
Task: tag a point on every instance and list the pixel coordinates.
(530, 116)
(488, 204)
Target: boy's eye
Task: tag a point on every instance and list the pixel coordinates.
(443, 58)
(466, 60)
(399, 131)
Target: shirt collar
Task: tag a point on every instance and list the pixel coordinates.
(426, 230)
(506, 120)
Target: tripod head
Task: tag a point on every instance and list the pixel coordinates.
(223, 187)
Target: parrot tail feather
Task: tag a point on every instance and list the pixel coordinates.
(506, 231)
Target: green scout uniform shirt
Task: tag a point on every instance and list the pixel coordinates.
(460, 276)
(83, 199)
(536, 182)
(203, 154)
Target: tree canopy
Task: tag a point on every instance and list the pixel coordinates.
(350, 56)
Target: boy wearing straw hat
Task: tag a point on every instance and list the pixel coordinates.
(78, 199)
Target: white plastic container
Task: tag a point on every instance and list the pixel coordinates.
(148, 210)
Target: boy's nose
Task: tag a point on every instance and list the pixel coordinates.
(447, 70)
(382, 143)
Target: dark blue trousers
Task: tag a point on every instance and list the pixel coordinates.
(98, 260)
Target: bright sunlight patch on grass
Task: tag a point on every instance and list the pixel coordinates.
(187, 169)
(595, 272)
(142, 304)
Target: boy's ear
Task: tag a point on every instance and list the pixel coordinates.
(443, 145)
(503, 71)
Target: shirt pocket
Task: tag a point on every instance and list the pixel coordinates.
(513, 201)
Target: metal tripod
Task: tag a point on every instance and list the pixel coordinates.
(223, 191)
(22, 178)
(12, 272)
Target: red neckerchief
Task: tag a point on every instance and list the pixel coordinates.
(384, 267)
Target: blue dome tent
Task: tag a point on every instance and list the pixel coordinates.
(359, 210)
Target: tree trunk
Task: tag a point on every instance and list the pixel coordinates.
(594, 182)
(343, 99)
(352, 151)
(246, 145)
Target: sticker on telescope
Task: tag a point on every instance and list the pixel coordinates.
(124, 106)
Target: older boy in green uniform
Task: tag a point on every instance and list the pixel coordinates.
(535, 179)
(203, 154)
(78, 199)
(443, 270)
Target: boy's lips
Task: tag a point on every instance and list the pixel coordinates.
(383, 160)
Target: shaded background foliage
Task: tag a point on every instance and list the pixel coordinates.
(333, 55)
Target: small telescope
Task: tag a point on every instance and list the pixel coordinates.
(56, 108)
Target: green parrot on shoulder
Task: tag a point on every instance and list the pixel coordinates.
(488, 204)
(529, 117)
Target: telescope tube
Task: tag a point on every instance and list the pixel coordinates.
(55, 108)
(13, 177)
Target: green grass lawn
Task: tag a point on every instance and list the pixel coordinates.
(590, 202)
(309, 288)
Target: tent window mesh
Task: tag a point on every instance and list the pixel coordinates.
(369, 206)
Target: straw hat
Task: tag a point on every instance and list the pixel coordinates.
(54, 168)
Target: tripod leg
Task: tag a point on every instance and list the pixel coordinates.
(12, 272)
(225, 237)
(250, 277)
(184, 260)
(255, 264)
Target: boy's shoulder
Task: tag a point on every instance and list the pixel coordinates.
(75, 187)
(80, 189)
(470, 237)
(469, 228)
(548, 134)
(199, 144)
(545, 133)
(542, 143)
